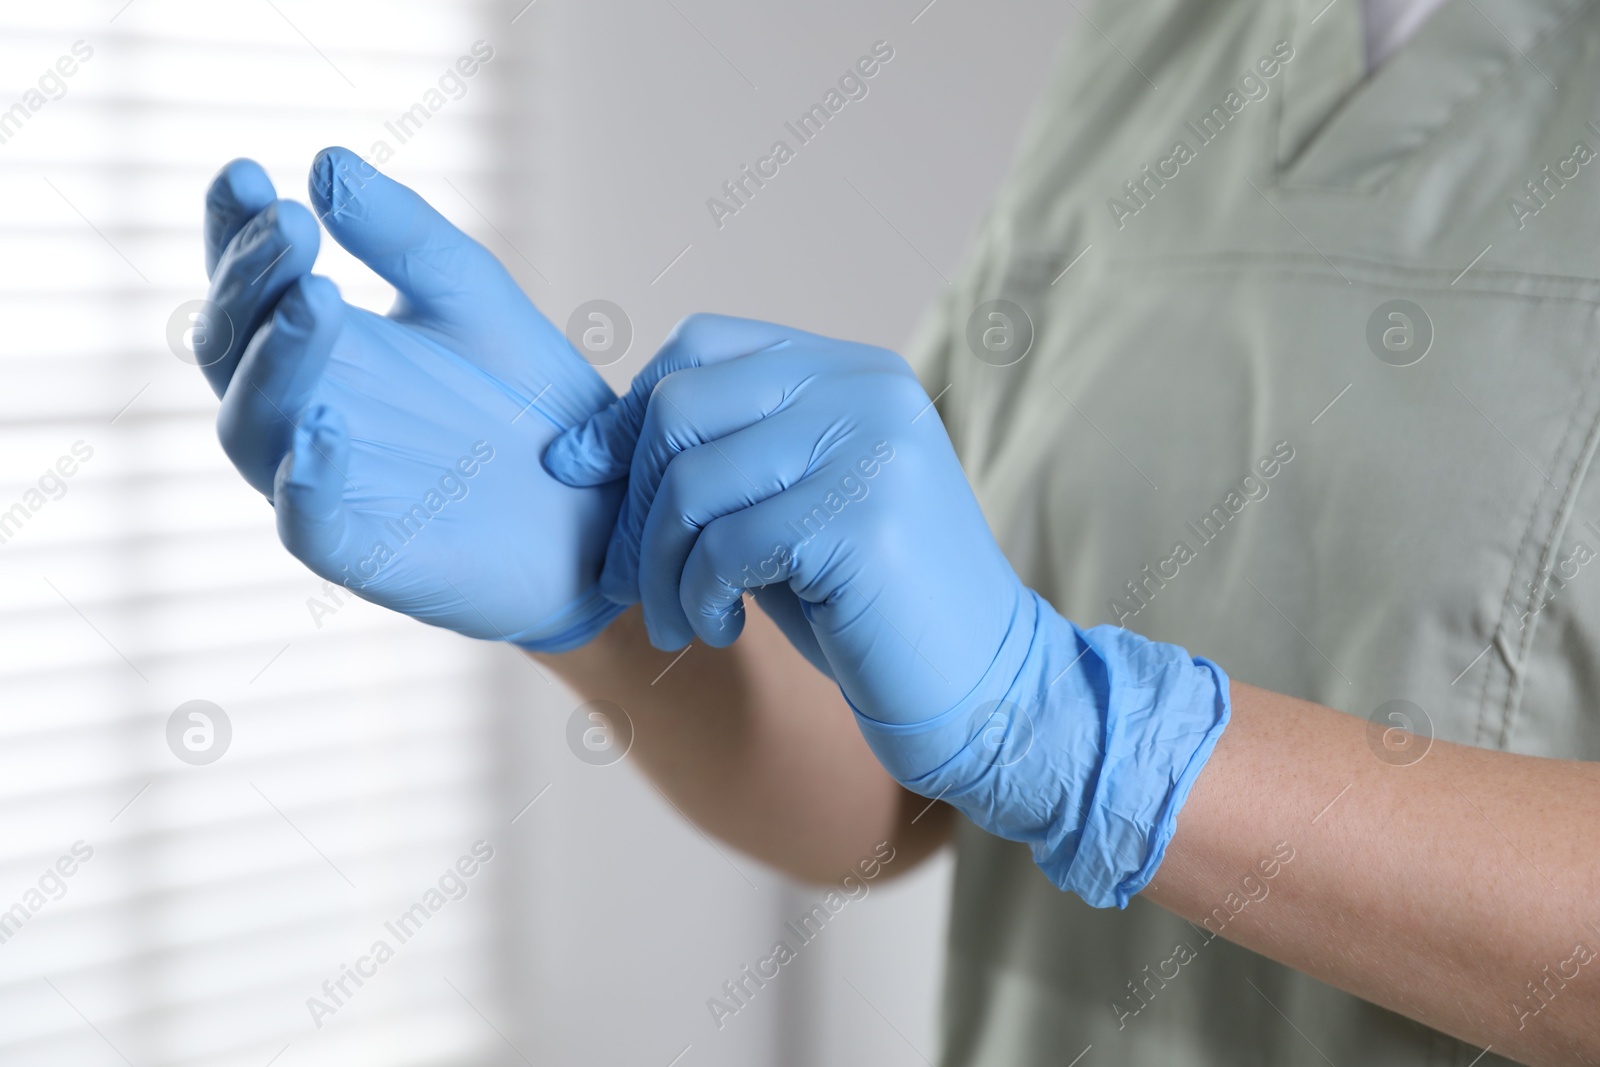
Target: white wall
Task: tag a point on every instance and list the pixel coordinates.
(630, 919)
(606, 921)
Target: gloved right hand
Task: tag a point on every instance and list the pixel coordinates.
(769, 459)
(402, 451)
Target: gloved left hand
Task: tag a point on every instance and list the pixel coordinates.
(817, 473)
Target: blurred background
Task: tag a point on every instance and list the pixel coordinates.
(181, 878)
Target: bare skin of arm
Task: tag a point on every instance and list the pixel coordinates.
(757, 748)
(1438, 889)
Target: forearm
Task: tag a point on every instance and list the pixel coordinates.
(1440, 889)
(756, 748)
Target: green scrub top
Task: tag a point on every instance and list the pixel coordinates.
(1311, 391)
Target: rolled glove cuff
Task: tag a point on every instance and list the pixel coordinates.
(1083, 744)
(1166, 711)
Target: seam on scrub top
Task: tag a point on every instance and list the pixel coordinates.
(1567, 492)
(1499, 78)
(1490, 674)
(1512, 671)
(1274, 131)
(1181, 259)
(1211, 262)
(1561, 521)
(1288, 27)
(1310, 272)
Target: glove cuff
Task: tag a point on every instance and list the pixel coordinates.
(573, 626)
(576, 392)
(1084, 744)
(1163, 715)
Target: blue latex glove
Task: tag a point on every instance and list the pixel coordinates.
(769, 458)
(601, 451)
(401, 451)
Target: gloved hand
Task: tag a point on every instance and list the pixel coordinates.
(401, 451)
(768, 458)
(601, 450)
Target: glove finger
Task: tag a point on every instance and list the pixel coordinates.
(441, 274)
(277, 378)
(313, 520)
(600, 449)
(450, 285)
(828, 567)
(701, 485)
(689, 408)
(274, 249)
(747, 548)
(240, 190)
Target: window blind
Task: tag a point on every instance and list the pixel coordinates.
(162, 909)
